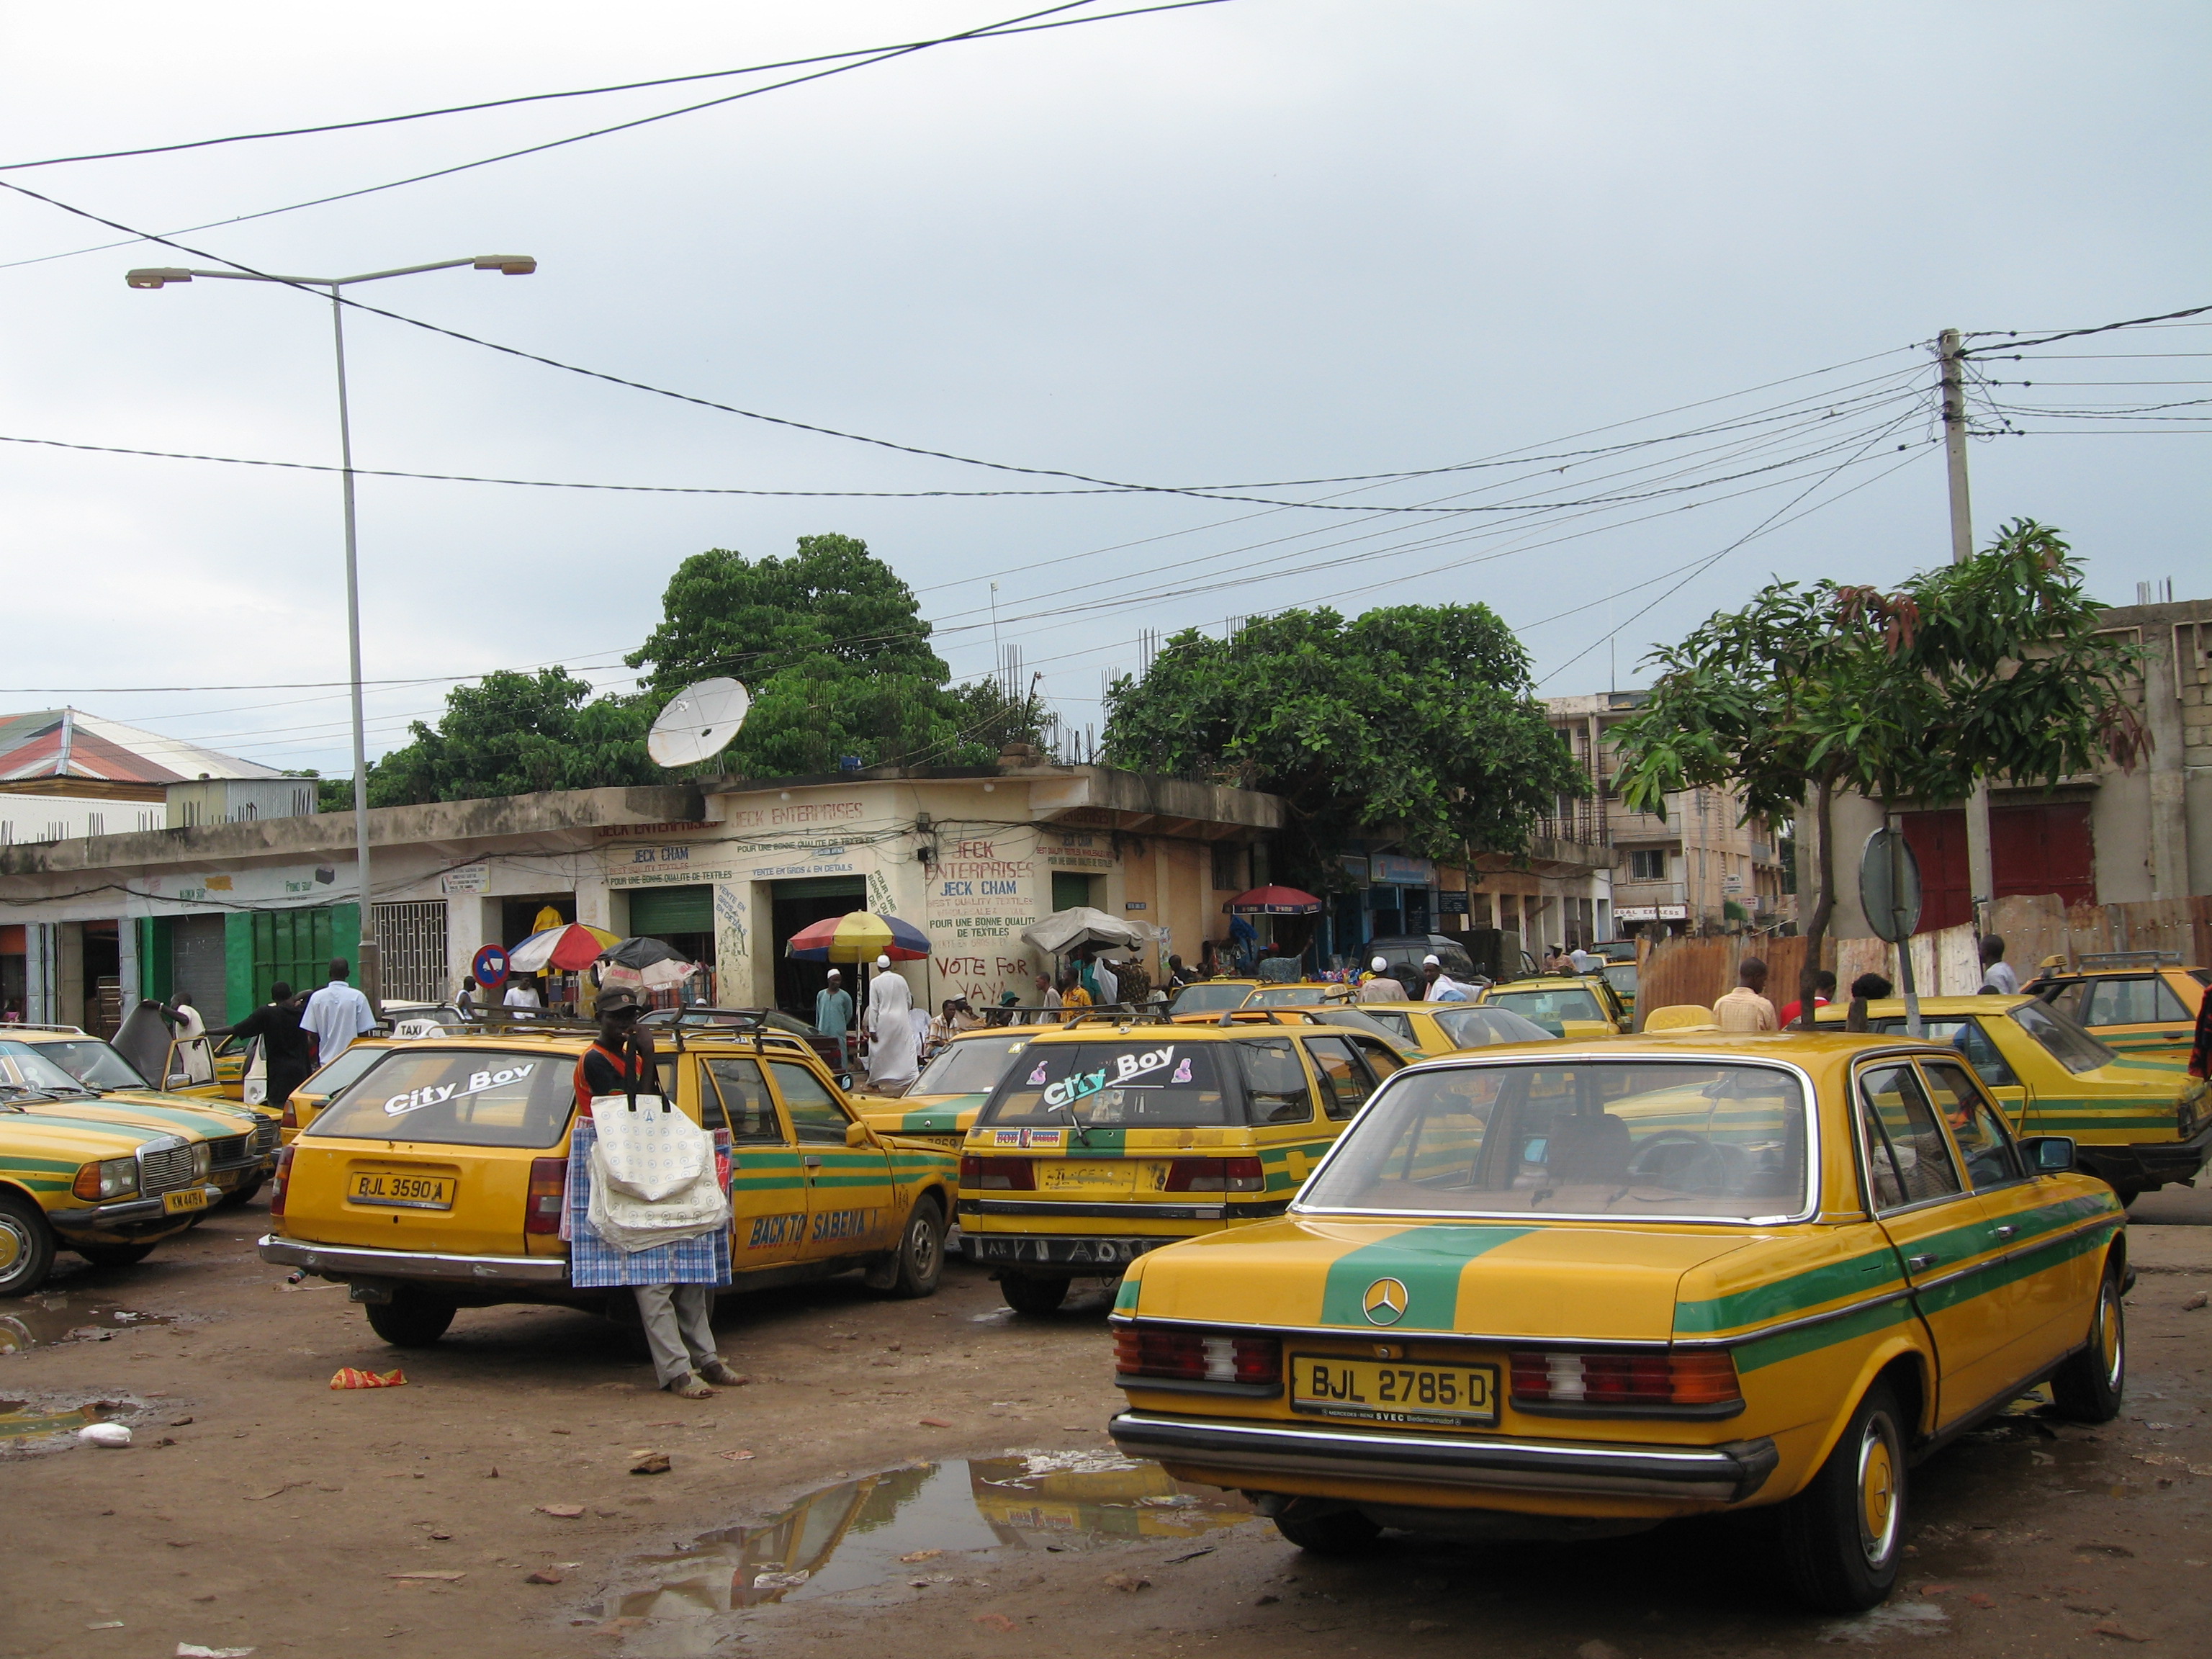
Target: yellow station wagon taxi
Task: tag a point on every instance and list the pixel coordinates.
(436, 1179)
(1573, 1292)
(2146, 1009)
(1111, 1138)
(1579, 1005)
(2125, 1112)
(1424, 1029)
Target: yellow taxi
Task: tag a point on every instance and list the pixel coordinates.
(1572, 1292)
(1111, 1137)
(2127, 1113)
(2140, 1004)
(952, 1088)
(242, 1143)
(436, 1179)
(1424, 1029)
(1573, 1005)
(108, 1179)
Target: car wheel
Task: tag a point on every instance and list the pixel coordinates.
(239, 1197)
(27, 1246)
(1026, 1295)
(919, 1261)
(409, 1320)
(1325, 1531)
(2086, 1387)
(1843, 1537)
(113, 1256)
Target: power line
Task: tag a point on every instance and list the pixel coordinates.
(867, 58)
(2015, 344)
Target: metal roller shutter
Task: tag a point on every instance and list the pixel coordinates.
(672, 909)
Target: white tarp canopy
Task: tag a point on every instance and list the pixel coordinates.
(1064, 931)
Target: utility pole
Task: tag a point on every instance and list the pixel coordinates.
(1981, 881)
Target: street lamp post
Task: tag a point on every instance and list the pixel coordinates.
(511, 265)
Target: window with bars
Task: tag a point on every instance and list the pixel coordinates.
(413, 939)
(1648, 866)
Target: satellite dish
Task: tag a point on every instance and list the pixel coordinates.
(698, 723)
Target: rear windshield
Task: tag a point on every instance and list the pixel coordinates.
(94, 1064)
(972, 1066)
(1632, 1137)
(1478, 1028)
(1208, 999)
(2072, 1047)
(1122, 1084)
(456, 1098)
(1621, 976)
(1360, 1020)
(1563, 1002)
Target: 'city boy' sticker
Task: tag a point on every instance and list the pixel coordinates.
(416, 1099)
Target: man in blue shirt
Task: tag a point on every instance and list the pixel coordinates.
(833, 1011)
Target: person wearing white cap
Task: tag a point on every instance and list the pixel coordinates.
(1436, 986)
(833, 1013)
(894, 1053)
(1382, 985)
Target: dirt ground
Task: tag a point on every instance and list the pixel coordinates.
(259, 1509)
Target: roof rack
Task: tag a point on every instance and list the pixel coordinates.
(37, 1025)
(2096, 959)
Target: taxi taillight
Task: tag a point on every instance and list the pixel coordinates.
(1016, 1175)
(1617, 1379)
(549, 1193)
(1183, 1356)
(1216, 1175)
(290, 1120)
(280, 1181)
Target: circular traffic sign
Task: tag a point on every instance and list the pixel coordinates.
(1889, 885)
(490, 967)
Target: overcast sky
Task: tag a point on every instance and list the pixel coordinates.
(1269, 240)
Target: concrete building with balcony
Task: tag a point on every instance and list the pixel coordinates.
(1698, 867)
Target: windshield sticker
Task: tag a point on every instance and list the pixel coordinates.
(1026, 1137)
(1181, 1072)
(1075, 1088)
(416, 1099)
(1152, 1059)
(1037, 1076)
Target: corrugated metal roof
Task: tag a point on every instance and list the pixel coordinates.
(62, 751)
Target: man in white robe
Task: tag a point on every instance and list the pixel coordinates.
(894, 1056)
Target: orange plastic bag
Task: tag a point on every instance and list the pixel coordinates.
(349, 1377)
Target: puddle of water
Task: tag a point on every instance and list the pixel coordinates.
(46, 1425)
(852, 1535)
(44, 1321)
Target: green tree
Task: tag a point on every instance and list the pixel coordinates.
(1416, 723)
(1986, 668)
(515, 734)
(833, 647)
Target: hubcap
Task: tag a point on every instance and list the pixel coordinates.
(1878, 1508)
(15, 1246)
(921, 1246)
(2111, 1342)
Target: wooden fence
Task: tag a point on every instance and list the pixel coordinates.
(1945, 963)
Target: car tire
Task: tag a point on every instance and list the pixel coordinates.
(409, 1320)
(1025, 1294)
(1843, 1538)
(113, 1256)
(919, 1261)
(1322, 1531)
(239, 1197)
(27, 1246)
(2088, 1386)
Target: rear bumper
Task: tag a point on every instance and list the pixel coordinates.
(2146, 1164)
(1070, 1254)
(1727, 1473)
(519, 1273)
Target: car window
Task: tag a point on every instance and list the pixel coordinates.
(1908, 1159)
(1274, 1081)
(1983, 1137)
(2071, 999)
(1338, 1013)
(1621, 976)
(1208, 999)
(972, 1065)
(94, 1064)
(455, 1097)
(1344, 1083)
(1639, 1138)
(1562, 1003)
(23, 1066)
(737, 1090)
(816, 1116)
(2142, 1001)
(1479, 1028)
(1382, 1059)
(2072, 1047)
(1116, 1083)
(1286, 996)
(1397, 1022)
(1964, 1033)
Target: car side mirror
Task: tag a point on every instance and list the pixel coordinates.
(176, 1080)
(2049, 1154)
(856, 1134)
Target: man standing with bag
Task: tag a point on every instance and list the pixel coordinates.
(673, 1279)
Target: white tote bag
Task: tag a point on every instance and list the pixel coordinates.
(647, 1150)
(631, 1224)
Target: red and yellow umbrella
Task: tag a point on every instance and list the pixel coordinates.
(859, 936)
(568, 946)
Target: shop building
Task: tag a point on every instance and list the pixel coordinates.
(725, 869)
